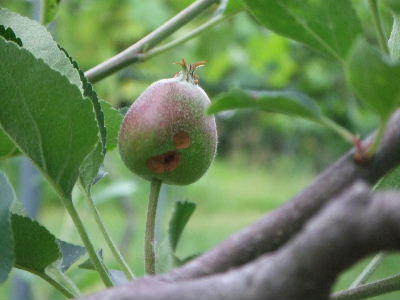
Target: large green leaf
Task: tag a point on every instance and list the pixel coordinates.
(182, 212)
(285, 102)
(330, 26)
(7, 197)
(35, 247)
(40, 43)
(45, 115)
(50, 8)
(375, 79)
(7, 147)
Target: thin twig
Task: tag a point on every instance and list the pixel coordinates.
(129, 55)
(156, 51)
(368, 270)
(368, 290)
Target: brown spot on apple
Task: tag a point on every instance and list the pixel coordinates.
(165, 162)
(182, 140)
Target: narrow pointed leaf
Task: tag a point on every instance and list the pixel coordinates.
(182, 212)
(375, 79)
(45, 115)
(330, 26)
(285, 102)
(7, 196)
(70, 254)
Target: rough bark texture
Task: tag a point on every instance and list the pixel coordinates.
(355, 224)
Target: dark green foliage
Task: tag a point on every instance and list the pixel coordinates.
(48, 118)
(330, 26)
(375, 82)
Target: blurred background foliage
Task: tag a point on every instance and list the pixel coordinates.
(263, 159)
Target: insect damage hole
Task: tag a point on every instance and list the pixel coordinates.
(182, 140)
(165, 162)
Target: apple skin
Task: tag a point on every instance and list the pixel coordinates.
(167, 133)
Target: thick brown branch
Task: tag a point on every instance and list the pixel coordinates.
(276, 228)
(355, 224)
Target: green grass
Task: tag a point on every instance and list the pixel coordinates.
(229, 197)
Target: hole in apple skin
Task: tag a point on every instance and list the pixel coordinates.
(182, 140)
(165, 162)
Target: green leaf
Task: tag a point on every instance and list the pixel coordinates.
(92, 163)
(390, 181)
(40, 43)
(7, 197)
(7, 147)
(70, 254)
(330, 26)
(182, 212)
(113, 119)
(89, 92)
(35, 247)
(285, 102)
(50, 8)
(394, 5)
(9, 35)
(90, 167)
(230, 7)
(45, 115)
(374, 78)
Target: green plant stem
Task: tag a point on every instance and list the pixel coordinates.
(56, 274)
(368, 290)
(343, 132)
(99, 266)
(168, 46)
(69, 283)
(373, 5)
(129, 55)
(150, 257)
(60, 287)
(368, 270)
(107, 237)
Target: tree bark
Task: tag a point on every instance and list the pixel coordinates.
(353, 225)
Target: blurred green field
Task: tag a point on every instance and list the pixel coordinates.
(232, 195)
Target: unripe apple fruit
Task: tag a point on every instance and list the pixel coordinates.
(167, 134)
